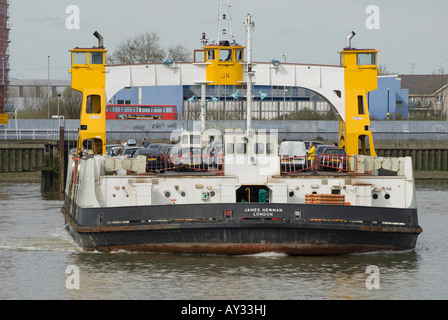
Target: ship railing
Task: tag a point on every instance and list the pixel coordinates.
(337, 162)
(199, 163)
(296, 164)
(156, 163)
(327, 162)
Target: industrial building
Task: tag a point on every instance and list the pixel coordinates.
(4, 55)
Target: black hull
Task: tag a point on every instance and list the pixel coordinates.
(243, 228)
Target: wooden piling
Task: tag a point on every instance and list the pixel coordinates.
(45, 156)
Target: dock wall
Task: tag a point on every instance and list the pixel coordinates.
(159, 130)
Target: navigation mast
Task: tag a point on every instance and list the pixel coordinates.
(224, 30)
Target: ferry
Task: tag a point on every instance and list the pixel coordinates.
(252, 203)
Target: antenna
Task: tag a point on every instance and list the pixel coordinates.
(224, 31)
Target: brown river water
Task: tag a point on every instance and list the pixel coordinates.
(40, 261)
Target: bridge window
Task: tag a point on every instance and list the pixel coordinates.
(259, 148)
(225, 55)
(229, 149)
(198, 55)
(211, 54)
(96, 58)
(269, 148)
(195, 139)
(191, 139)
(360, 105)
(366, 59)
(79, 57)
(93, 104)
(241, 148)
(239, 55)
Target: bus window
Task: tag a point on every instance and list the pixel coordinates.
(113, 109)
(157, 109)
(168, 109)
(127, 109)
(145, 109)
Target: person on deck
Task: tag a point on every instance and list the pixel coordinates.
(311, 155)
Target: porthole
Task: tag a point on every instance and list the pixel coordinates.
(387, 196)
(167, 194)
(291, 193)
(183, 193)
(375, 196)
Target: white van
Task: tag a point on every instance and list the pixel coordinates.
(292, 155)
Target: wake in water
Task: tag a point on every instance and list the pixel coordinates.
(58, 240)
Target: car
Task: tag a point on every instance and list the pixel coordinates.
(333, 159)
(155, 160)
(212, 155)
(165, 149)
(292, 155)
(187, 157)
(321, 148)
(112, 149)
(154, 145)
(129, 151)
(173, 155)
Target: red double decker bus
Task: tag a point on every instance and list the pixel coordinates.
(140, 112)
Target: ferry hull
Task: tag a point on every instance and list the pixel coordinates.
(234, 229)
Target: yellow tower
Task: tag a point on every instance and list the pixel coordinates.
(224, 64)
(360, 78)
(88, 71)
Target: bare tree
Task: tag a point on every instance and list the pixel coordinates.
(179, 53)
(146, 48)
(382, 70)
(71, 101)
(35, 102)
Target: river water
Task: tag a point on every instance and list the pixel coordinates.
(39, 260)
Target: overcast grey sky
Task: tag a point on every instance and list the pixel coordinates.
(410, 32)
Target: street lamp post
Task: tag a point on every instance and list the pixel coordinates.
(59, 95)
(388, 90)
(49, 93)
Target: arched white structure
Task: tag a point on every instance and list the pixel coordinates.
(326, 80)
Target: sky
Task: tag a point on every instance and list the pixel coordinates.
(410, 35)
